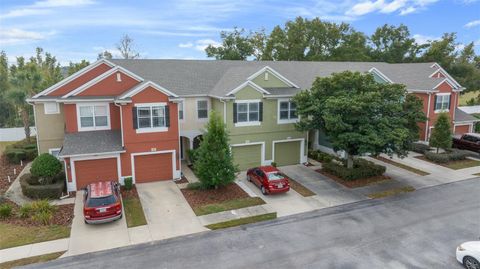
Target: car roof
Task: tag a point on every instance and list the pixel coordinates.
(474, 134)
(100, 189)
(268, 169)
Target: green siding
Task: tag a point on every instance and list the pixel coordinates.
(247, 156)
(218, 107)
(272, 82)
(287, 153)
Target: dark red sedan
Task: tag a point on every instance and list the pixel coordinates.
(268, 179)
(102, 202)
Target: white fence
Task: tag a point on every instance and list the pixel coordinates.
(470, 109)
(15, 134)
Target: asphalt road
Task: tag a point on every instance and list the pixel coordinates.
(416, 230)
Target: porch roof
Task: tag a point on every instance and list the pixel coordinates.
(462, 116)
(91, 142)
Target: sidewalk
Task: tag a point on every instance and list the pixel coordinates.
(32, 250)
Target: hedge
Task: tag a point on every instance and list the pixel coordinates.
(320, 156)
(454, 155)
(419, 147)
(46, 166)
(15, 155)
(361, 169)
(39, 191)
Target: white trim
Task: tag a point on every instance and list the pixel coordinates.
(280, 121)
(102, 77)
(443, 93)
(150, 104)
(428, 116)
(73, 76)
(380, 74)
(248, 101)
(93, 128)
(445, 73)
(302, 158)
(208, 108)
(73, 101)
(248, 123)
(174, 166)
(93, 154)
(182, 101)
(275, 73)
(251, 84)
(145, 85)
(449, 102)
(57, 108)
(152, 129)
(121, 123)
(66, 172)
(445, 80)
(54, 149)
(73, 185)
(262, 153)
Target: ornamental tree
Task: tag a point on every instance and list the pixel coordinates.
(441, 137)
(214, 164)
(360, 115)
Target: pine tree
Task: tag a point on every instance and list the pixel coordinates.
(441, 134)
(214, 166)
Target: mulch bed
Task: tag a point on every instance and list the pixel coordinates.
(182, 180)
(62, 216)
(198, 198)
(6, 169)
(129, 193)
(354, 183)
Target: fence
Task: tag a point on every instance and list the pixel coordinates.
(15, 134)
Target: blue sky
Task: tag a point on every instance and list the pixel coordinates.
(79, 29)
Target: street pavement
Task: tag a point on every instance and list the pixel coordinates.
(414, 230)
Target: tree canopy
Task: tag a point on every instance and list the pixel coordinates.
(441, 136)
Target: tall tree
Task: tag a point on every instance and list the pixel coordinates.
(48, 66)
(74, 67)
(105, 55)
(359, 114)
(441, 136)
(236, 45)
(442, 51)
(126, 46)
(392, 44)
(7, 111)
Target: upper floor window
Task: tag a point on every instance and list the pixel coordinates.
(287, 111)
(151, 117)
(51, 108)
(93, 117)
(442, 102)
(247, 113)
(202, 109)
(180, 110)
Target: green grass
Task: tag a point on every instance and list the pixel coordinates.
(467, 163)
(228, 205)
(391, 192)
(403, 166)
(4, 144)
(467, 96)
(133, 212)
(31, 260)
(242, 221)
(16, 235)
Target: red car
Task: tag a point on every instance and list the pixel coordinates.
(102, 202)
(268, 179)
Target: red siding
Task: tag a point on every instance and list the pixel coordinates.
(109, 86)
(70, 113)
(114, 117)
(153, 167)
(84, 78)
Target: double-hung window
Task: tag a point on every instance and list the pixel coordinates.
(442, 102)
(247, 113)
(151, 118)
(93, 117)
(180, 110)
(202, 109)
(287, 111)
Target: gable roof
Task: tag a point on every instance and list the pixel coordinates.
(145, 85)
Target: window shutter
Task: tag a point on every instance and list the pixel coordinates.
(167, 116)
(260, 111)
(134, 116)
(435, 103)
(449, 101)
(234, 112)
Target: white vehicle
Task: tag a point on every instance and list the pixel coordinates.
(468, 254)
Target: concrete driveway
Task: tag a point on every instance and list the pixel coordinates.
(90, 238)
(167, 212)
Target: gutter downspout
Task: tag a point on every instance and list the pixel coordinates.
(121, 123)
(428, 116)
(224, 110)
(35, 121)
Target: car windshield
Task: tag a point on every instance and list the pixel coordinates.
(274, 176)
(101, 201)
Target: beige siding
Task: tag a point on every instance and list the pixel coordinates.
(50, 128)
(190, 121)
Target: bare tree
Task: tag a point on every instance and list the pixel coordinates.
(127, 48)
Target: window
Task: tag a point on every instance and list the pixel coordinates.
(51, 108)
(287, 111)
(180, 110)
(248, 112)
(202, 109)
(93, 117)
(151, 117)
(442, 102)
(54, 152)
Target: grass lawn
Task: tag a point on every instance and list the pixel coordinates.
(391, 192)
(30, 260)
(228, 205)
(133, 211)
(242, 221)
(467, 96)
(455, 165)
(16, 235)
(4, 144)
(403, 166)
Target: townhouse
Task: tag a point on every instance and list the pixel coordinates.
(138, 118)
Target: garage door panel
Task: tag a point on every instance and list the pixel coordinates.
(287, 153)
(89, 171)
(153, 167)
(247, 156)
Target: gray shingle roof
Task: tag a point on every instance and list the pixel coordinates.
(217, 78)
(91, 142)
(462, 116)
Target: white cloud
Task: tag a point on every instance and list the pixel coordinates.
(44, 7)
(472, 24)
(423, 39)
(15, 36)
(185, 45)
(403, 6)
(202, 44)
(365, 8)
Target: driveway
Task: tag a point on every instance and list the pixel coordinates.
(167, 212)
(90, 238)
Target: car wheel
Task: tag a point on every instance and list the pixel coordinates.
(264, 192)
(471, 263)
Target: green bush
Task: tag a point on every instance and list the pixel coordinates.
(419, 147)
(21, 151)
(42, 206)
(45, 167)
(43, 217)
(25, 211)
(321, 156)
(454, 155)
(15, 155)
(192, 155)
(361, 169)
(40, 191)
(274, 164)
(5, 211)
(128, 181)
(458, 154)
(195, 186)
(31, 154)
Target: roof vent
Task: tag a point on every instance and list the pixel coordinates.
(266, 76)
(119, 77)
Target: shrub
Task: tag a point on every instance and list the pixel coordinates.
(458, 154)
(195, 186)
(31, 154)
(192, 155)
(454, 155)
(15, 155)
(274, 164)
(45, 167)
(42, 206)
(321, 156)
(42, 217)
(39, 191)
(128, 181)
(5, 211)
(25, 211)
(419, 147)
(361, 169)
